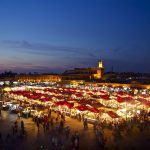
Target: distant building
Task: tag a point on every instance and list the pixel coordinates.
(84, 73)
(38, 77)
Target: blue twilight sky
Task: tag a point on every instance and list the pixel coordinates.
(54, 35)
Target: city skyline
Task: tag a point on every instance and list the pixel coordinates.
(37, 36)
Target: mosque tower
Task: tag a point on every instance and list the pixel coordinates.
(100, 70)
(100, 64)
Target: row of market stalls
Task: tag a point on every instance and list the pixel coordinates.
(93, 104)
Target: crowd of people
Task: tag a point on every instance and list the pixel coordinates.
(140, 122)
(59, 131)
(54, 125)
(16, 131)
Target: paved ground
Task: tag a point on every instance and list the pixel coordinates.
(35, 138)
(88, 141)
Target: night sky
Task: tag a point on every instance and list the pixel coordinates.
(55, 35)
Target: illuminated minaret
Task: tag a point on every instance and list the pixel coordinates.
(100, 64)
(100, 70)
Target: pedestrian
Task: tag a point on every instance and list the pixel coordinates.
(64, 117)
(79, 117)
(95, 125)
(72, 139)
(49, 114)
(61, 124)
(13, 130)
(56, 119)
(42, 147)
(37, 123)
(16, 126)
(56, 142)
(53, 141)
(44, 126)
(22, 127)
(19, 115)
(47, 125)
(85, 123)
(76, 143)
(67, 131)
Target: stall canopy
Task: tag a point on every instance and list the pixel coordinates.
(112, 114)
(64, 103)
(92, 109)
(82, 108)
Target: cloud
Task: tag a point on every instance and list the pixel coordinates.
(29, 67)
(44, 49)
(60, 58)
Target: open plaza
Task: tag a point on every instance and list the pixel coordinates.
(74, 117)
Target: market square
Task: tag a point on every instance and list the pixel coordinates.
(91, 114)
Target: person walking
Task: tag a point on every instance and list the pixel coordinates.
(16, 127)
(38, 125)
(44, 126)
(72, 139)
(61, 125)
(19, 115)
(85, 123)
(22, 127)
(49, 114)
(76, 143)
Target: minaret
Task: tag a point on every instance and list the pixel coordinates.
(100, 70)
(100, 64)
